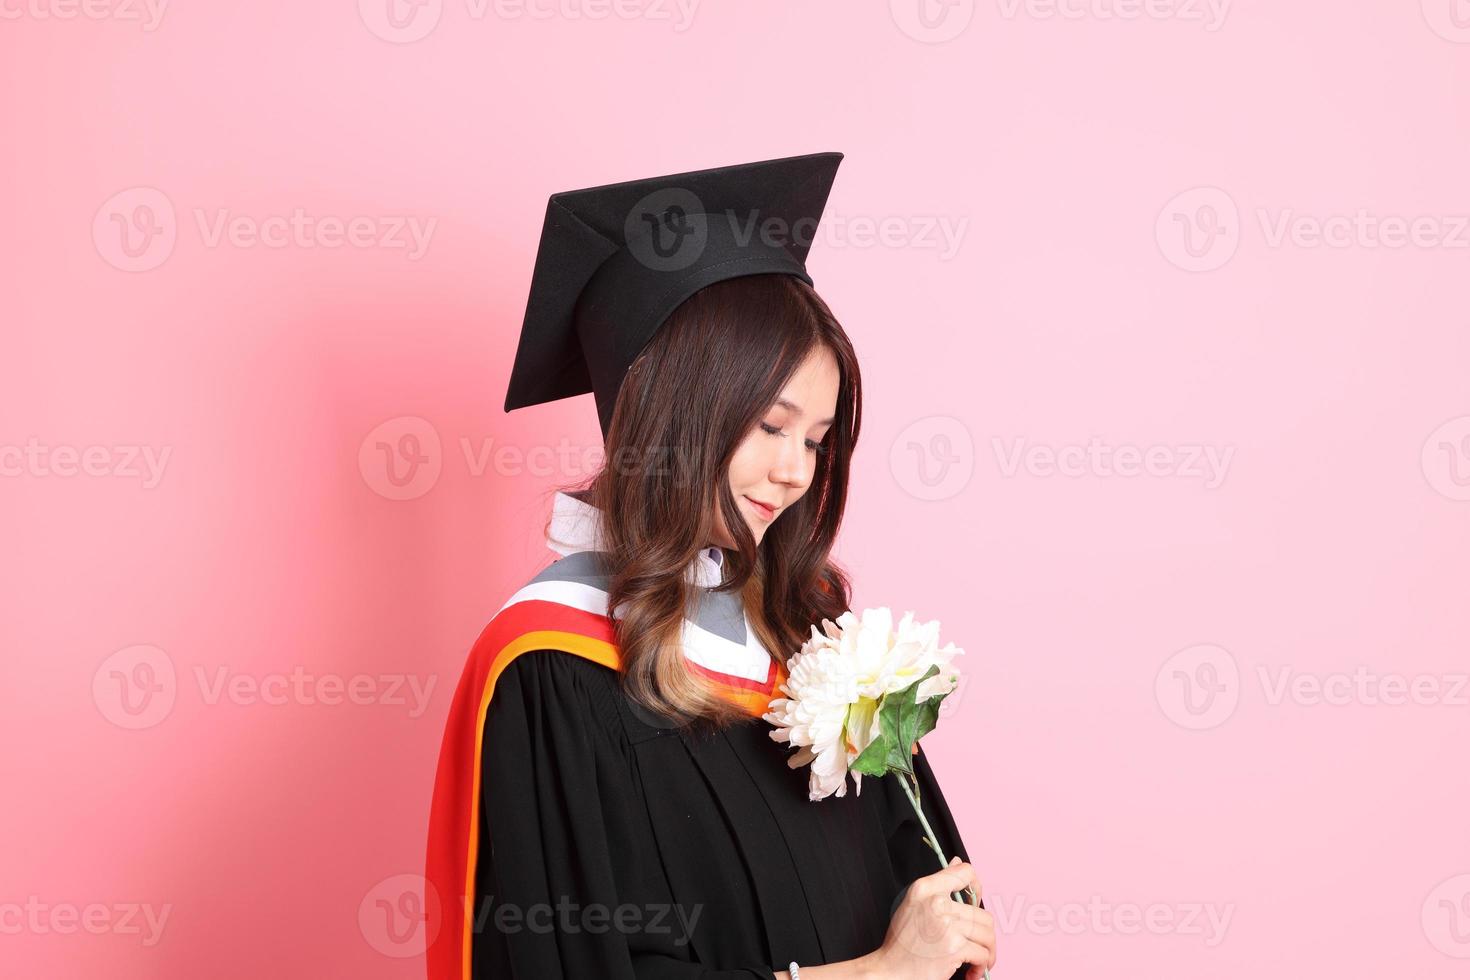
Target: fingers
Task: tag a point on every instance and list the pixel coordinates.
(950, 879)
(979, 927)
(928, 924)
(956, 877)
(982, 932)
(979, 885)
(981, 957)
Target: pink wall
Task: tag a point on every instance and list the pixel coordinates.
(1215, 717)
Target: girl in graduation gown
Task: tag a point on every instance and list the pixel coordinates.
(609, 802)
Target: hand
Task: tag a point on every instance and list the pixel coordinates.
(931, 935)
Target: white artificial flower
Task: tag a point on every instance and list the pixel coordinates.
(819, 688)
(835, 684)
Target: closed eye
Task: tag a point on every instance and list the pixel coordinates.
(815, 447)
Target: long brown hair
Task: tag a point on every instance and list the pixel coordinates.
(696, 391)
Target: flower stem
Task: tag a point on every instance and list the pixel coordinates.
(910, 784)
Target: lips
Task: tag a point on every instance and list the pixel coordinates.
(765, 510)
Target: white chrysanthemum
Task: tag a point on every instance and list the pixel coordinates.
(819, 689)
(835, 683)
(889, 659)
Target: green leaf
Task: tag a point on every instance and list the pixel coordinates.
(873, 760)
(928, 711)
(894, 714)
(908, 725)
(888, 722)
(902, 721)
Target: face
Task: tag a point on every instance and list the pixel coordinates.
(776, 461)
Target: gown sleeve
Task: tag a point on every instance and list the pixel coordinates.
(560, 813)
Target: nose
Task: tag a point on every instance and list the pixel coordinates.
(793, 465)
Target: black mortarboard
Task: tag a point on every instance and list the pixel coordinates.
(614, 261)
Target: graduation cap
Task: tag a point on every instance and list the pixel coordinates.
(615, 260)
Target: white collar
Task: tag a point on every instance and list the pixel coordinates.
(576, 526)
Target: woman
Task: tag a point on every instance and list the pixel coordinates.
(609, 802)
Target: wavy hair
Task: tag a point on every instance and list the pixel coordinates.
(711, 372)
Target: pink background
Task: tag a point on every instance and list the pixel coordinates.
(1133, 199)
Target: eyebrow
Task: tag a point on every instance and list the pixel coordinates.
(789, 404)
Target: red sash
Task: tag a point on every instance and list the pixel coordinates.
(454, 814)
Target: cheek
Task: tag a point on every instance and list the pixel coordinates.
(748, 466)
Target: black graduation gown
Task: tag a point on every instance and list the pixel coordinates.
(726, 869)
